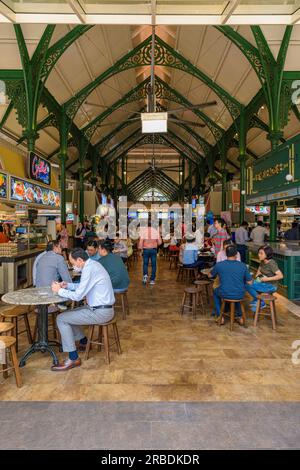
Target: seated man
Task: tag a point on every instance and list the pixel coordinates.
(222, 254)
(267, 276)
(114, 266)
(188, 255)
(92, 250)
(233, 276)
(50, 266)
(121, 248)
(95, 285)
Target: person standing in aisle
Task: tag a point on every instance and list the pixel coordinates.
(149, 242)
(259, 233)
(241, 237)
(220, 236)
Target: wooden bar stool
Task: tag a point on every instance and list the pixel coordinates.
(103, 339)
(14, 315)
(8, 346)
(6, 327)
(206, 288)
(200, 292)
(232, 304)
(124, 302)
(179, 272)
(269, 311)
(189, 300)
(173, 259)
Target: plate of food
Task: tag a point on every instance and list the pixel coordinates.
(206, 271)
(29, 194)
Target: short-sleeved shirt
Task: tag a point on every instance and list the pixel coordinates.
(219, 238)
(233, 278)
(269, 269)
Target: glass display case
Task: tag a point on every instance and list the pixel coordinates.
(32, 236)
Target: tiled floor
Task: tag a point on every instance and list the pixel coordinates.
(167, 357)
(135, 425)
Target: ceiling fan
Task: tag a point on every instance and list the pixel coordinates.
(152, 116)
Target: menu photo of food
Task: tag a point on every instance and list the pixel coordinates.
(3, 185)
(22, 190)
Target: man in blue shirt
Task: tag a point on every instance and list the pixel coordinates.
(188, 255)
(233, 276)
(95, 285)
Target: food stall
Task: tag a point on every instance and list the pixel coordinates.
(25, 197)
(274, 181)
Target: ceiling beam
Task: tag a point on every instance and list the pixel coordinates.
(229, 10)
(76, 7)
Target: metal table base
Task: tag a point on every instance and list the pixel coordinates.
(42, 344)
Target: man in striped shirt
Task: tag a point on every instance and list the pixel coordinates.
(220, 236)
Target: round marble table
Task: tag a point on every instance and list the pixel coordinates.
(41, 297)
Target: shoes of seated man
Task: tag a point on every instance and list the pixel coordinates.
(254, 305)
(66, 365)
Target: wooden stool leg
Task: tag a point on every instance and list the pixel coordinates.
(257, 312)
(35, 329)
(194, 305)
(88, 344)
(243, 313)
(28, 330)
(232, 314)
(117, 338)
(4, 367)
(222, 312)
(183, 303)
(273, 314)
(106, 343)
(123, 306)
(127, 304)
(100, 337)
(16, 366)
(53, 315)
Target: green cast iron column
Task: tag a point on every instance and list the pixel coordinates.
(243, 161)
(183, 179)
(63, 159)
(81, 194)
(224, 186)
(273, 221)
(115, 183)
(190, 181)
(63, 156)
(123, 174)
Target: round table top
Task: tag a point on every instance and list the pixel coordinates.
(32, 296)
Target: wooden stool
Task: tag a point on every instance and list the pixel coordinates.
(14, 315)
(103, 339)
(124, 302)
(190, 293)
(204, 286)
(9, 345)
(269, 299)
(173, 258)
(232, 304)
(6, 327)
(200, 292)
(186, 274)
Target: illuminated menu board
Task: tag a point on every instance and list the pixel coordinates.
(3, 185)
(24, 191)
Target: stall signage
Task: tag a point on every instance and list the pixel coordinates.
(269, 172)
(39, 169)
(24, 191)
(3, 185)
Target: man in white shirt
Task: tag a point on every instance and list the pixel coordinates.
(259, 233)
(96, 286)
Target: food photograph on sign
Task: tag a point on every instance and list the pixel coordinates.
(40, 169)
(3, 185)
(25, 191)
